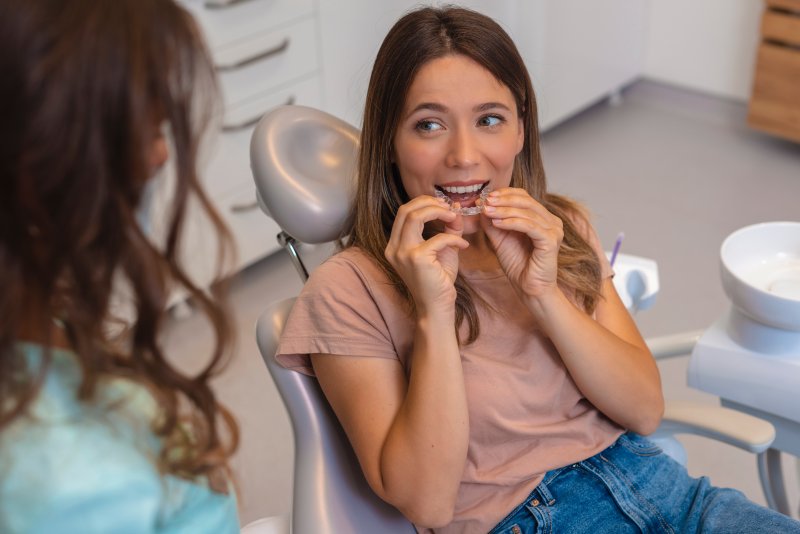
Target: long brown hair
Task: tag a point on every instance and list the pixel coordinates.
(417, 38)
(84, 85)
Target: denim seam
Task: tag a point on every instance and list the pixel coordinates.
(632, 487)
(544, 521)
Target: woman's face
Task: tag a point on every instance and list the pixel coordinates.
(459, 133)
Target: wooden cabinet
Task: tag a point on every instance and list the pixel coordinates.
(775, 100)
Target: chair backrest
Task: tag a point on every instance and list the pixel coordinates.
(302, 161)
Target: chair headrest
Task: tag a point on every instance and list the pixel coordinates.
(303, 161)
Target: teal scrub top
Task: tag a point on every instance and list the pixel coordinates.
(75, 467)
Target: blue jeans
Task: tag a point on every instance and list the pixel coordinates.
(632, 486)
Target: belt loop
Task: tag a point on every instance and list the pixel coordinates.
(546, 497)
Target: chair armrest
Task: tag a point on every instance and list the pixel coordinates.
(716, 422)
(673, 345)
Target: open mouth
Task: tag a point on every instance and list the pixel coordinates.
(467, 196)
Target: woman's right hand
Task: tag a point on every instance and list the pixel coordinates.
(428, 267)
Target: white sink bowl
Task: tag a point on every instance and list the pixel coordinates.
(761, 272)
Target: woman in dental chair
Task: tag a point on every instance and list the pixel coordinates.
(469, 337)
(99, 433)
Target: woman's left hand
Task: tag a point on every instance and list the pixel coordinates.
(526, 238)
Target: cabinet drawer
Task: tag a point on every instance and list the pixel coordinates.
(229, 165)
(781, 27)
(270, 60)
(775, 101)
(254, 235)
(254, 232)
(227, 21)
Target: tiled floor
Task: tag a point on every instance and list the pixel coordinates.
(676, 171)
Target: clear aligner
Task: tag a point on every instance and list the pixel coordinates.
(473, 210)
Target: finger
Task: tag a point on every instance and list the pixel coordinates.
(504, 212)
(540, 234)
(439, 242)
(516, 197)
(526, 221)
(414, 204)
(411, 218)
(456, 227)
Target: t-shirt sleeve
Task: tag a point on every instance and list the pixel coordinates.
(337, 313)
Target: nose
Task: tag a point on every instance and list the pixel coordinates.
(463, 149)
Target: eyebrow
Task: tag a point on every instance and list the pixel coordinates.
(433, 106)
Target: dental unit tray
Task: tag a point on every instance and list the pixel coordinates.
(750, 357)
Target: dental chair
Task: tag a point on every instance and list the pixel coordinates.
(303, 163)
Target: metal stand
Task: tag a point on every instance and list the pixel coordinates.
(289, 243)
(771, 475)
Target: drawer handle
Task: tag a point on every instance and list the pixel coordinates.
(244, 207)
(281, 48)
(251, 122)
(222, 4)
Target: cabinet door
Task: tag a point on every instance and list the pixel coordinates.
(578, 52)
(351, 32)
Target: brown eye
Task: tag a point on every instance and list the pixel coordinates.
(491, 120)
(428, 126)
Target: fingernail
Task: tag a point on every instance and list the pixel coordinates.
(489, 209)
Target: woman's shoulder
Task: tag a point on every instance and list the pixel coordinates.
(347, 270)
(351, 258)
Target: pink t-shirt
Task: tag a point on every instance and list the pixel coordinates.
(526, 415)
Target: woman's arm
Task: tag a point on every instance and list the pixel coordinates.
(410, 434)
(607, 358)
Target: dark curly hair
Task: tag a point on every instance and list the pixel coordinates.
(85, 83)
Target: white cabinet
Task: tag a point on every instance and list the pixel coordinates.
(579, 51)
(266, 53)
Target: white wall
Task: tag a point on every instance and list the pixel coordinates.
(705, 45)
(351, 32)
(578, 51)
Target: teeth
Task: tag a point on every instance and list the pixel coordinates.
(461, 189)
(474, 210)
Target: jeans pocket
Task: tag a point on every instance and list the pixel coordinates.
(639, 445)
